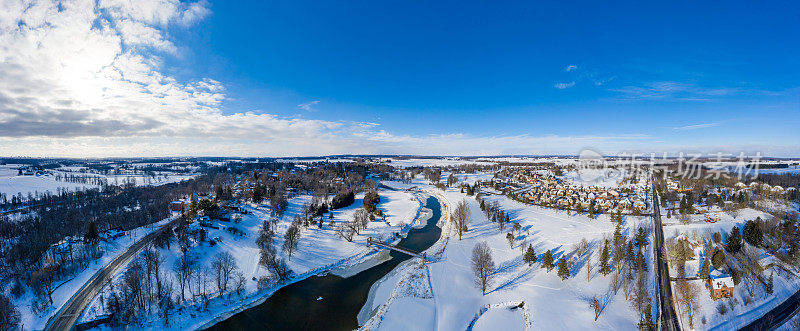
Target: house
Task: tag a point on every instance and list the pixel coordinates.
(177, 206)
(721, 287)
(111, 234)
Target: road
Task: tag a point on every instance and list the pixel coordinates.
(777, 316)
(667, 319)
(65, 319)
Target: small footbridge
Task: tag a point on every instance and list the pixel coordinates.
(371, 242)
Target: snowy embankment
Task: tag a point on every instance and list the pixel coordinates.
(67, 288)
(319, 250)
(504, 316)
(550, 303)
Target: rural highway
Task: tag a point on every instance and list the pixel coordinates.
(667, 319)
(65, 319)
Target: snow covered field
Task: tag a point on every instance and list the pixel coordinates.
(11, 184)
(318, 250)
(551, 304)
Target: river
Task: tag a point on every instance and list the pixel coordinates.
(296, 306)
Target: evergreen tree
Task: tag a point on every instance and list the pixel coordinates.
(617, 235)
(718, 258)
(734, 242)
(640, 262)
(682, 207)
(752, 233)
(563, 270)
(605, 267)
(630, 256)
(547, 261)
(530, 256)
(704, 268)
(641, 238)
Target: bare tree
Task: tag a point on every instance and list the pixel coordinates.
(346, 230)
(640, 300)
(9, 316)
(460, 217)
(42, 281)
(132, 282)
(223, 265)
(239, 282)
(482, 266)
(153, 262)
(291, 238)
(615, 282)
(183, 268)
(686, 295)
(588, 266)
(748, 259)
(685, 219)
(581, 247)
(200, 278)
(598, 303)
(360, 219)
(722, 309)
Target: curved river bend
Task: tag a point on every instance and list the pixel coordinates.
(295, 306)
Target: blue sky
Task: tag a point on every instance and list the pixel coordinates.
(502, 77)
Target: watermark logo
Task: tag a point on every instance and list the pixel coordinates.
(593, 166)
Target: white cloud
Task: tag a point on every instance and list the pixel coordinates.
(84, 75)
(562, 86)
(308, 106)
(696, 126)
(135, 33)
(570, 67)
(671, 90)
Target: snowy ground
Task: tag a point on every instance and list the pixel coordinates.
(11, 184)
(319, 250)
(160, 178)
(68, 287)
(698, 227)
(552, 304)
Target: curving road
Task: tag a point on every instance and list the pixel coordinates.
(65, 319)
(777, 316)
(667, 319)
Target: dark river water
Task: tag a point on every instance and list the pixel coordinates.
(295, 307)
